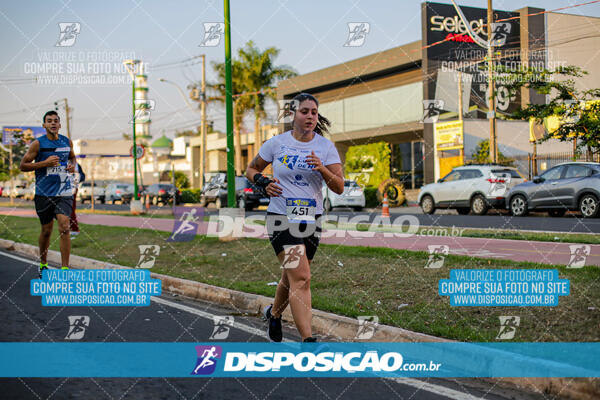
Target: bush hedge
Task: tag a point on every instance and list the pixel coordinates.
(190, 195)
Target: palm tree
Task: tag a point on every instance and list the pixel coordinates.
(241, 104)
(261, 75)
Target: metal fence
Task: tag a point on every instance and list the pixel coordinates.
(531, 166)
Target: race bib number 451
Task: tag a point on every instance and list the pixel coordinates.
(301, 210)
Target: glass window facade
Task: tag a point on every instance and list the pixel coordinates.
(370, 110)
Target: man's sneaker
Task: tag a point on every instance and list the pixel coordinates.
(310, 339)
(41, 269)
(274, 330)
(64, 267)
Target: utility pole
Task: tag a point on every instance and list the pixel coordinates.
(229, 111)
(68, 118)
(204, 127)
(460, 112)
(491, 89)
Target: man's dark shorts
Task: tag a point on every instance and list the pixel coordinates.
(47, 207)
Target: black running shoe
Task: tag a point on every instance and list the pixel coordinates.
(310, 339)
(274, 330)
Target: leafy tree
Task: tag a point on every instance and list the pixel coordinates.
(181, 180)
(578, 110)
(374, 156)
(241, 104)
(261, 77)
(481, 155)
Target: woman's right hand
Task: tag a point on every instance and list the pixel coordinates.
(273, 189)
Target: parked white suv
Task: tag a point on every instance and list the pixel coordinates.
(470, 189)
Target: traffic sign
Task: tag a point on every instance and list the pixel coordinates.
(139, 153)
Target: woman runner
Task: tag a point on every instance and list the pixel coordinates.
(302, 160)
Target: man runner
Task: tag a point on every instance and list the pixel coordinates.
(54, 164)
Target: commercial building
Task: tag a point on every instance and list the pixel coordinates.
(385, 96)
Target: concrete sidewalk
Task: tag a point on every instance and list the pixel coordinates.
(515, 250)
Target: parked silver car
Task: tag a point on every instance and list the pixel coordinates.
(352, 196)
(470, 189)
(114, 191)
(568, 186)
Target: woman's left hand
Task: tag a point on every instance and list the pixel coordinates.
(315, 161)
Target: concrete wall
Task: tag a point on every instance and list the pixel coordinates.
(575, 40)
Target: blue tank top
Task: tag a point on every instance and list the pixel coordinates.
(54, 181)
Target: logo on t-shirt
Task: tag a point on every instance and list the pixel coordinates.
(288, 161)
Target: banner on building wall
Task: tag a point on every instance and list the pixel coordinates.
(452, 55)
(449, 135)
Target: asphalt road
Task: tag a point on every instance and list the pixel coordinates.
(571, 223)
(172, 319)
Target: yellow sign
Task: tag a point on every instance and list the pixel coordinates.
(448, 135)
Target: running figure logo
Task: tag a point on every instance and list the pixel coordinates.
(292, 255)
(432, 110)
(148, 254)
(77, 326)
(186, 223)
(142, 110)
(500, 31)
(508, 327)
(437, 255)
(68, 33)
(221, 328)
(579, 253)
(358, 33)
(287, 108)
(207, 359)
(367, 324)
(213, 31)
(288, 161)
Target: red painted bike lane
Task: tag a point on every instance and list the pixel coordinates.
(516, 250)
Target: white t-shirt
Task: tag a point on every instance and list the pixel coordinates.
(297, 178)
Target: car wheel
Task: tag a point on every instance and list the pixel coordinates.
(427, 204)
(518, 206)
(588, 206)
(463, 210)
(218, 203)
(479, 205)
(327, 205)
(557, 213)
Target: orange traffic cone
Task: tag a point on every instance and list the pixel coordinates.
(385, 209)
(147, 202)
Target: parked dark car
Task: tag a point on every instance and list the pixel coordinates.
(247, 195)
(568, 186)
(162, 193)
(127, 196)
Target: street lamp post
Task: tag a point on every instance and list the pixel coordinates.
(131, 68)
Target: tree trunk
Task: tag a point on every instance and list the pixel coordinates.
(257, 135)
(238, 149)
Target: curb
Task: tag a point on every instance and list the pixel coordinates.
(340, 327)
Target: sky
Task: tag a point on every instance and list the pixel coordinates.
(309, 34)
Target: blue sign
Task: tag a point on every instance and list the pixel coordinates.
(29, 133)
(277, 360)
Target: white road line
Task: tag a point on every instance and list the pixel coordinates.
(246, 328)
(421, 385)
(436, 389)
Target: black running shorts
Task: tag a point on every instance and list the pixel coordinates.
(284, 233)
(47, 207)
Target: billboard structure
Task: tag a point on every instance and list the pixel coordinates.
(11, 134)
